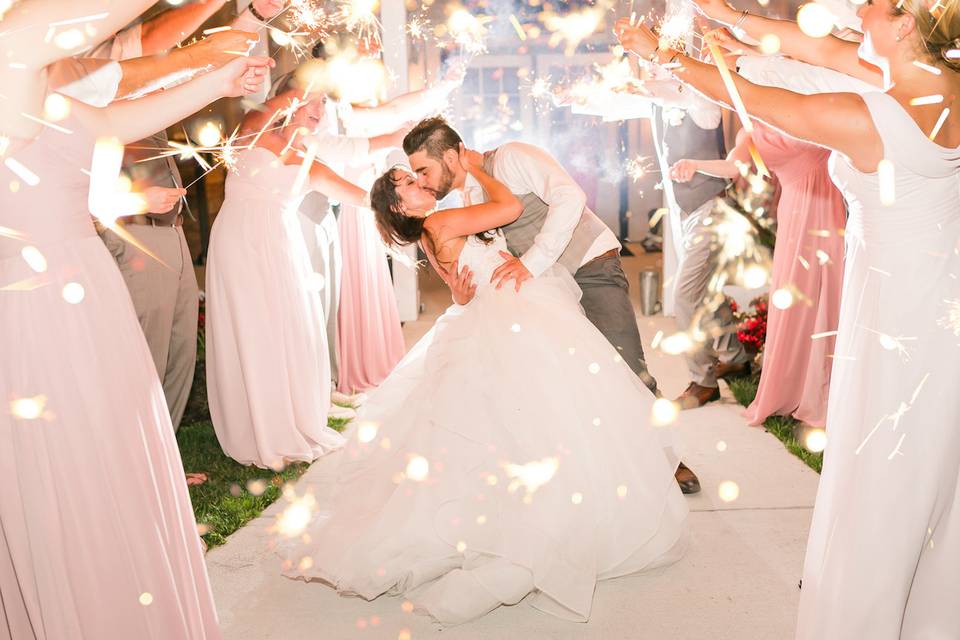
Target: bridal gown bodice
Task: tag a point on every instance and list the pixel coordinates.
(889, 497)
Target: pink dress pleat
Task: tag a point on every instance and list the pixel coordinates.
(370, 335)
(808, 262)
(97, 534)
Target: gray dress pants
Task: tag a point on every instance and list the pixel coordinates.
(322, 237)
(699, 311)
(166, 299)
(606, 302)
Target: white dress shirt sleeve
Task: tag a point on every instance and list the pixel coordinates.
(524, 168)
(674, 94)
(799, 77)
(333, 148)
(89, 81)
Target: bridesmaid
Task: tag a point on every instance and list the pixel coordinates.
(97, 535)
(268, 365)
(807, 263)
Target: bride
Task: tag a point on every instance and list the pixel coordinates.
(502, 456)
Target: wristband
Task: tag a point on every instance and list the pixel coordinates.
(256, 14)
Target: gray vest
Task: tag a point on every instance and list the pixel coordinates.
(690, 141)
(521, 233)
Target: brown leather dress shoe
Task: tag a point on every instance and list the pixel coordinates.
(696, 396)
(726, 371)
(687, 479)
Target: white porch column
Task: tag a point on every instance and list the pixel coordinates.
(393, 16)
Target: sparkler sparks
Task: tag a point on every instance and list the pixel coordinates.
(468, 31)
(418, 27)
(22, 172)
(359, 17)
(532, 475)
(572, 28)
(815, 20)
(638, 167)
(28, 408)
(886, 178)
(939, 124)
(951, 320)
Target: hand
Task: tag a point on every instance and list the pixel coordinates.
(683, 170)
(470, 160)
(221, 47)
(455, 75)
(162, 199)
(724, 38)
(718, 10)
(511, 269)
(244, 75)
(268, 8)
(398, 135)
(460, 282)
(637, 38)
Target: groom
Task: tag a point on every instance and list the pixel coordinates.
(556, 227)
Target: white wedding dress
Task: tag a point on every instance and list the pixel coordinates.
(883, 558)
(510, 452)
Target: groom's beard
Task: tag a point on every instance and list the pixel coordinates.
(446, 183)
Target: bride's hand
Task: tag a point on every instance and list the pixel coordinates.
(470, 160)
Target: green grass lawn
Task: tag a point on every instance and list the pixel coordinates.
(234, 494)
(784, 427)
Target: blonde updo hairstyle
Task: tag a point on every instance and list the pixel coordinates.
(938, 24)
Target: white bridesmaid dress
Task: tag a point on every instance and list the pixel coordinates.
(883, 558)
(268, 366)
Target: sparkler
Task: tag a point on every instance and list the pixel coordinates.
(638, 167)
(572, 28)
(468, 31)
(359, 17)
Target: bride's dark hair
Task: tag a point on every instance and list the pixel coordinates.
(395, 226)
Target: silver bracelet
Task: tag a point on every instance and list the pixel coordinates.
(739, 23)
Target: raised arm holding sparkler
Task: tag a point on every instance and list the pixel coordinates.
(891, 418)
(839, 121)
(831, 52)
(27, 47)
(131, 120)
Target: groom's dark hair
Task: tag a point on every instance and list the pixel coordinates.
(432, 135)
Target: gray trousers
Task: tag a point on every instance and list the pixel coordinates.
(166, 299)
(322, 237)
(699, 311)
(606, 302)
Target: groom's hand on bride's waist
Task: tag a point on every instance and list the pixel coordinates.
(511, 269)
(460, 282)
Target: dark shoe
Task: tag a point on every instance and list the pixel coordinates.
(696, 396)
(726, 371)
(687, 479)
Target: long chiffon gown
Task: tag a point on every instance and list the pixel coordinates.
(370, 336)
(97, 535)
(510, 452)
(808, 262)
(884, 549)
(268, 368)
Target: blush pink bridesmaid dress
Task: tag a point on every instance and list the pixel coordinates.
(808, 262)
(97, 535)
(370, 341)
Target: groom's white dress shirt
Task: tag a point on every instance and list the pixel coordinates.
(525, 168)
